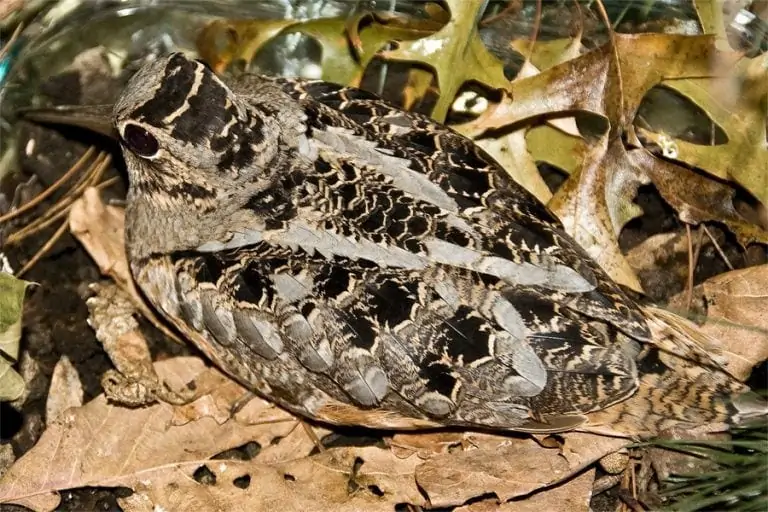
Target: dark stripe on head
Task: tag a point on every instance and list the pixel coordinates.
(207, 113)
(177, 82)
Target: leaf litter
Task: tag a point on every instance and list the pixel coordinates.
(159, 450)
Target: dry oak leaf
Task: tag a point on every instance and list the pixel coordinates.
(736, 104)
(348, 479)
(595, 203)
(697, 198)
(348, 44)
(573, 496)
(737, 315)
(106, 446)
(508, 467)
(456, 53)
(609, 81)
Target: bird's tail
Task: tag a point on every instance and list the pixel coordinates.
(684, 384)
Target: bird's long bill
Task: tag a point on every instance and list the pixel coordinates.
(96, 118)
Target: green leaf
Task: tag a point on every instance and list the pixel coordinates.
(456, 53)
(11, 305)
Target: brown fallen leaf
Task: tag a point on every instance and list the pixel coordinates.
(340, 479)
(595, 203)
(737, 316)
(573, 496)
(508, 467)
(65, 391)
(695, 197)
(103, 445)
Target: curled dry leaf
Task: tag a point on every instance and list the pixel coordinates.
(695, 197)
(135, 382)
(66, 390)
(595, 203)
(508, 467)
(101, 230)
(103, 445)
(340, 479)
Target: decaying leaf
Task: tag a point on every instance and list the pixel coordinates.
(103, 445)
(595, 203)
(340, 479)
(12, 292)
(508, 467)
(737, 316)
(573, 496)
(696, 198)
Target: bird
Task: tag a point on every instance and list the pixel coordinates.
(358, 264)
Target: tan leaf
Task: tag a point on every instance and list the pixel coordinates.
(103, 445)
(341, 479)
(510, 468)
(573, 496)
(595, 203)
(737, 316)
(65, 390)
(511, 152)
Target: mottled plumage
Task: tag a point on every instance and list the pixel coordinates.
(359, 264)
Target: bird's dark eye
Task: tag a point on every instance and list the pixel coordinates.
(140, 141)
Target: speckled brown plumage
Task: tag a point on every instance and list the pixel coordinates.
(359, 264)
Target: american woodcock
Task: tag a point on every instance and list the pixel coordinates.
(359, 264)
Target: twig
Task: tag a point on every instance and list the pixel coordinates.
(61, 207)
(689, 285)
(718, 248)
(44, 249)
(7, 46)
(50, 190)
(59, 232)
(312, 435)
